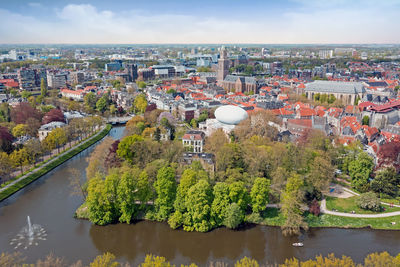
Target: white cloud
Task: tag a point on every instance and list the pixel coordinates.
(86, 24)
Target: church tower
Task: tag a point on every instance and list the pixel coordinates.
(223, 66)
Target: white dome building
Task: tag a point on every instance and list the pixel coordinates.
(230, 114)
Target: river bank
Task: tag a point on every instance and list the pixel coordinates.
(273, 217)
(28, 178)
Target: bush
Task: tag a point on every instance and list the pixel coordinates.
(314, 208)
(369, 201)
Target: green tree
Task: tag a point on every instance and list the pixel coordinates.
(360, 171)
(56, 138)
(34, 150)
(125, 150)
(386, 182)
(259, 194)
(111, 190)
(320, 174)
(25, 94)
(193, 123)
(247, 262)
(291, 206)
(155, 261)
(238, 194)
(126, 195)
(365, 120)
(101, 104)
(144, 190)
(105, 260)
(97, 201)
(140, 103)
(5, 164)
(198, 203)
(188, 179)
(165, 187)
(220, 203)
(19, 130)
(20, 158)
(141, 84)
(90, 101)
(331, 99)
(113, 109)
(234, 216)
(102, 199)
(43, 88)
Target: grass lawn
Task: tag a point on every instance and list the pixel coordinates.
(273, 217)
(391, 200)
(326, 220)
(349, 204)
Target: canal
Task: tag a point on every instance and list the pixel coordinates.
(49, 203)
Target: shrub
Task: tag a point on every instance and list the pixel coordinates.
(369, 201)
(314, 207)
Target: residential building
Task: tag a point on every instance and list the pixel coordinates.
(56, 80)
(146, 74)
(194, 140)
(27, 79)
(77, 77)
(74, 94)
(132, 71)
(207, 160)
(45, 129)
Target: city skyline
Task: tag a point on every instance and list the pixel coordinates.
(188, 22)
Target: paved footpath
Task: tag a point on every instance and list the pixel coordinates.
(344, 214)
(50, 161)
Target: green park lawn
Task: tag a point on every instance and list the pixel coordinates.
(350, 204)
(326, 220)
(273, 217)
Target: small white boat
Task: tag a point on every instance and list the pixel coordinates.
(297, 244)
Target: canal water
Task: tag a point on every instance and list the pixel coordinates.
(49, 203)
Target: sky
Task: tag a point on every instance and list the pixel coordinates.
(201, 21)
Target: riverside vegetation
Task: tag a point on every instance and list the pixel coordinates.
(142, 177)
(382, 259)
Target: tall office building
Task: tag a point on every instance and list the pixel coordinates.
(223, 66)
(132, 71)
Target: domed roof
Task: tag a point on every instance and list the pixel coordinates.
(230, 114)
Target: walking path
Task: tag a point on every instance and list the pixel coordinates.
(343, 214)
(52, 160)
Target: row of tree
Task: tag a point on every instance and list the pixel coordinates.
(109, 260)
(194, 204)
(31, 152)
